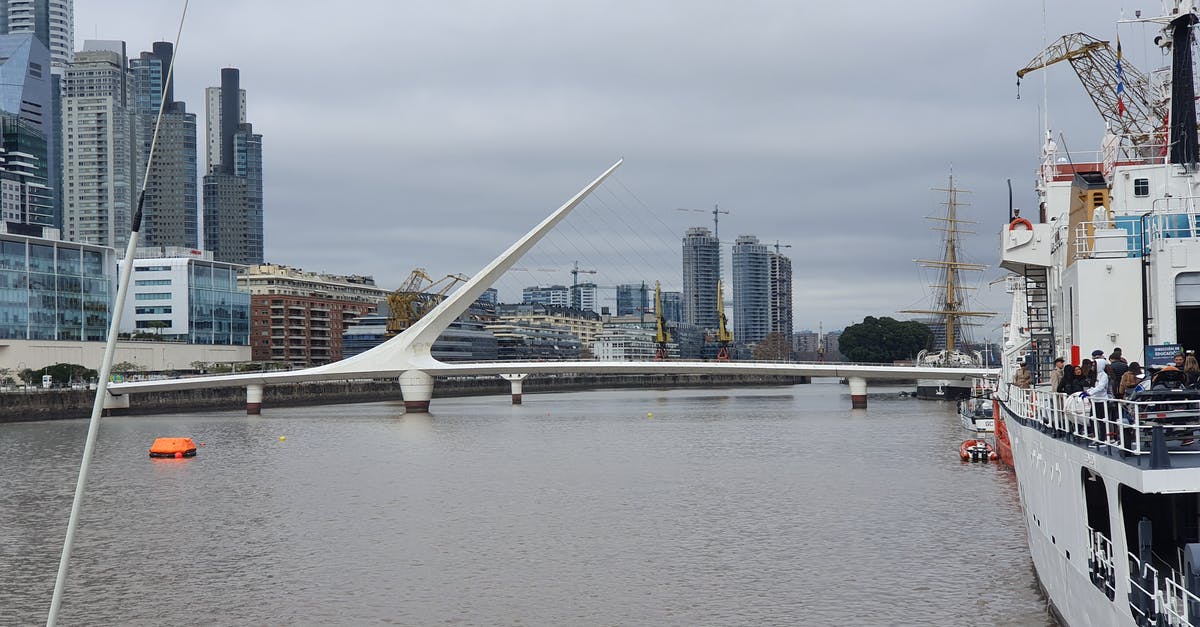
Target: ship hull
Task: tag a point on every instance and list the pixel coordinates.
(943, 389)
(1049, 472)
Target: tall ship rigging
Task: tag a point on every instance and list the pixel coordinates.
(1109, 476)
(949, 311)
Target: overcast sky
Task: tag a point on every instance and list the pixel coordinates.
(432, 134)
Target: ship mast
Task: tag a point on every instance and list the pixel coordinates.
(949, 303)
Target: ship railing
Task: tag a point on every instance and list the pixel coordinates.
(1109, 239)
(1101, 563)
(1155, 599)
(983, 387)
(1112, 424)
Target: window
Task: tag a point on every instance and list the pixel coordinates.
(147, 282)
(1141, 187)
(154, 296)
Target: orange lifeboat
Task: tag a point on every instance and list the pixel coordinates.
(173, 447)
(977, 451)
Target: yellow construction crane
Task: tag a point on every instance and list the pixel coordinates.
(724, 335)
(415, 299)
(1135, 115)
(662, 336)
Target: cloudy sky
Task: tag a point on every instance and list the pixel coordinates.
(432, 134)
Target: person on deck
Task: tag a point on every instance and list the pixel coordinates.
(1119, 366)
(1056, 374)
(1098, 392)
(1067, 380)
(1191, 368)
(1130, 380)
(1023, 378)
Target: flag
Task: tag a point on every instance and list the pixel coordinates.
(1120, 82)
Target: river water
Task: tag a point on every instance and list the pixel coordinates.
(751, 506)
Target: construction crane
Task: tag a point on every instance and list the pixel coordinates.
(576, 297)
(1136, 115)
(662, 336)
(724, 335)
(413, 299)
(716, 214)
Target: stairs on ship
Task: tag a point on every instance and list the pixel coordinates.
(1041, 327)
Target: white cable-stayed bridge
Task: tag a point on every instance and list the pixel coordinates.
(408, 356)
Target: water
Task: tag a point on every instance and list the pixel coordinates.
(767, 506)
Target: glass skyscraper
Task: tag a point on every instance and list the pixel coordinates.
(633, 299)
(54, 290)
(233, 187)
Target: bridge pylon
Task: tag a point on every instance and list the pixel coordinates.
(515, 380)
(416, 386)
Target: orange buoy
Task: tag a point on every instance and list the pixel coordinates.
(173, 447)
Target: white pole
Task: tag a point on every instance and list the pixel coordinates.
(110, 347)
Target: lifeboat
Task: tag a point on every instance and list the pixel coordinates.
(173, 447)
(977, 451)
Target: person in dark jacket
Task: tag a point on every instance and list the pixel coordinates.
(1119, 366)
(1064, 383)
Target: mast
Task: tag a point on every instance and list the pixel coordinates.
(949, 304)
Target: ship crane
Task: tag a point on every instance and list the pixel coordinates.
(413, 299)
(1137, 116)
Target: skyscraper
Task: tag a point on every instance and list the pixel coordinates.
(51, 22)
(233, 187)
(170, 207)
(25, 110)
(701, 271)
(781, 295)
(100, 170)
(751, 290)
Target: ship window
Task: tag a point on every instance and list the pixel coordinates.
(1141, 187)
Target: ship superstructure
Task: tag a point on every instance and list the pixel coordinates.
(1111, 487)
(949, 310)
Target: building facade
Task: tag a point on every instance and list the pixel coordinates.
(54, 290)
(299, 317)
(182, 295)
(781, 296)
(633, 299)
(751, 290)
(583, 325)
(623, 342)
(553, 295)
(583, 296)
(100, 171)
(25, 196)
(169, 211)
(701, 271)
(26, 114)
(233, 187)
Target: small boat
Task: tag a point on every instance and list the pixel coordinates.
(977, 415)
(173, 447)
(977, 451)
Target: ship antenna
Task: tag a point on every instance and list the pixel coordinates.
(110, 347)
(1067, 149)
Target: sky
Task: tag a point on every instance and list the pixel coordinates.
(431, 134)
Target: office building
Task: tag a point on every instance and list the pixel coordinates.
(52, 24)
(54, 290)
(672, 304)
(554, 295)
(582, 324)
(169, 212)
(100, 171)
(583, 296)
(701, 271)
(233, 187)
(781, 296)
(751, 290)
(633, 299)
(182, 295)
(25, 107)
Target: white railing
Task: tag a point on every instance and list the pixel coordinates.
(1158, 600)
(1120, 424)
(1101, 563)
(1107, 240)
(984, 387)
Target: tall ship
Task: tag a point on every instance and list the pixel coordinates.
(1110, 487)
(949, 312)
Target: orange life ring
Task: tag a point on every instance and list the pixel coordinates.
(1012, 226)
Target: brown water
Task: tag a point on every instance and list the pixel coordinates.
(767, 506)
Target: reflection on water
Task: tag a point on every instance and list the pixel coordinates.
(735, 506)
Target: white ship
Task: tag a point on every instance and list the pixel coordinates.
(1111, 490)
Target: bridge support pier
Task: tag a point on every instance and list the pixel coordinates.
(115, 405)
(858, 392)
(254, 394)
(515, 380)
(416, 386)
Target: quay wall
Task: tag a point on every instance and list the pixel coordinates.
(65, 404)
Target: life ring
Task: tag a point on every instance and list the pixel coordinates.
(1012, 226)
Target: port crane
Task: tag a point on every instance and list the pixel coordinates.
(1136, 114)
(662, 335)
(724, 335)
(414, 298)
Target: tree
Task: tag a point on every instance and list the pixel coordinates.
(883, 340)
(125, 367)
(65, 374)
(773, 347)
